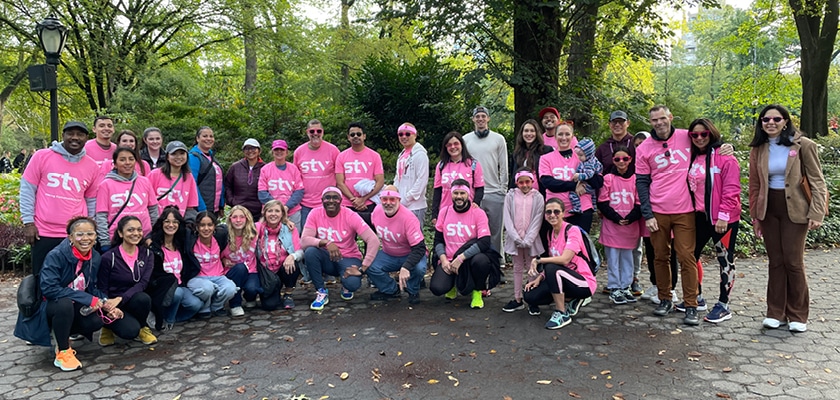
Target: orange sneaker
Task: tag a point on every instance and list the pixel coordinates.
(67, 361)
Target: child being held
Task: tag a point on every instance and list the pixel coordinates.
(589, 166)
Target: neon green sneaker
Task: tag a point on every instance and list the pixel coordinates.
(477, 300)
(451, 294)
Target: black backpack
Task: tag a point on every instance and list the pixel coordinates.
(593, 259)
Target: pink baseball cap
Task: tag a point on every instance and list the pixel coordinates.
(279, 144)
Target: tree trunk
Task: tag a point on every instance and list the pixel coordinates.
(580, 71)
(249, 31)
(345, 37)
(536, 63)
(817, 31)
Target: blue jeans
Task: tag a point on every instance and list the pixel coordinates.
(184, 306)
(238, 274)
(213, 291)
(304, 214)
(318, 262)
(383, 264)
(251, 288)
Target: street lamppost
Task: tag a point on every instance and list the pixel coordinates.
(52, 36)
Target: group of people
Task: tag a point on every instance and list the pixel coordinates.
(145, 236)
(21, 160)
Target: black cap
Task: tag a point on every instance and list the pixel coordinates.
(619, 115)
(76, 124)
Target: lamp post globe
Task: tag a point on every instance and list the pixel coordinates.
(52, 36)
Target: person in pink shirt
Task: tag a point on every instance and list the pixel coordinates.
(464, 260)
(620, 210)
(403, 249)
(556, 172)
(329, 243)
(127, 139)
(58, 185)
(240, 259)
(455, 163)
(549, 117)
(211, 284)
(356, 167)
(173, 183)
(662, 164)
(563, 274)
(282, 181)
(715, 183)
(100, 148)
(316, 161)
(278, 247)
(124, 193)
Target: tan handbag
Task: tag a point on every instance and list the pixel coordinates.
(806, 188)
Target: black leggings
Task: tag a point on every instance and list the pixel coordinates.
(649, 256)
(271, 301)
(573, 286)
(136, 311)
(64, 318)
(479, 265)
(724, 250)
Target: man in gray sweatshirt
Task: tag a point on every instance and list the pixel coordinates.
(490, 150)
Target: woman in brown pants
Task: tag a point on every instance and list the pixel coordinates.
(781, 212)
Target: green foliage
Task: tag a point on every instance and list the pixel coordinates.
(427, 93)
(9, 195)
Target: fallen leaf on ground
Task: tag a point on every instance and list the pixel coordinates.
(344, 376)
(723, 395)
(240, 389)
(406, 386)
(235, 362)
(399, 353)
(544, 382)
(605, 372)
(129, 367)
(323, 397)
(408, 364)
(452, 319)
(433, 333)
(492, 351)
(727, 369)
(694, 354)
(432, 381)
(575, 395)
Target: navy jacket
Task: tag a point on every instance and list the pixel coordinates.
(59, 271)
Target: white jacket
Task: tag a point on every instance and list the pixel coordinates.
(415, 178)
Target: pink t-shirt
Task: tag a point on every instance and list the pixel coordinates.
(62, 187)
(460, 228)
(402, 161)
(272, 252)
(173, 263)
(452, 171)
(219, 182)
(99, 155)
(280, 184)
(317, 169)
(108, 165)
(697, 182)
(398, 232)
(113, 194)
(244, 255)
(130, 259)
(563, 169)
(358, 165)
(558, 243)
(341, 229)
(183, 195)
(621, 193)
(668, 186)
(209, 258)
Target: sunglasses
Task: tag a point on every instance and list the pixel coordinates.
(667, 152)
(355, 134)
(401, 134)
(695, 135)
(107, 320)
(774, 119)
(314, 131)
(625, 159)
(553, 212)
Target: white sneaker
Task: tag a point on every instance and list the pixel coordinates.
(772, 323)
(250, 304)
(674, 296)
(650, 293)
(237, 312)
(655, 299)
(797, 327)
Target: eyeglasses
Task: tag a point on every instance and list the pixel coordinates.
(695, 135)
(82, 235)
(553, 212)
(774, 119)
(316, 131)
(355, 134)
(667, 152)
(250, 148)
(453, 144)
(625, 159)
(389, 199)
(401, 134)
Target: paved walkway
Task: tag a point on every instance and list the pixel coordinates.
(444, 350)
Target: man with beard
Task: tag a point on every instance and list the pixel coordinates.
(465, 259)
(403, 249)
(355, 165)
(59, 184)
(329, 243)
(549, 117)
(316, 161)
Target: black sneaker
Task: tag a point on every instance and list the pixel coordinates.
(635, 288)
(533, 310)
(513, 305)
(382, 296)
(628, 295)
(664, 308)
(204, 315)
(691, 317)
(413, 298)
